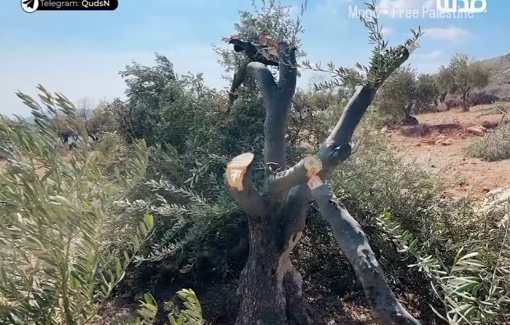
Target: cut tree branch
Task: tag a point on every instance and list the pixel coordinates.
(337, 147)
(354, 244)
(277, 97)
(241, 186)
(277, 113)
(298, 174)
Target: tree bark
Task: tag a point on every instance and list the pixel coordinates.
(465, 107)
(262, 296)
(270, 287)
(354, 244)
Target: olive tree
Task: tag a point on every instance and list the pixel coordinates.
(399, 94)
(405, 92)
(270, 287)
(427, 92)
(463, 74)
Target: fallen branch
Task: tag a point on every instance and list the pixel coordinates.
(354, 244)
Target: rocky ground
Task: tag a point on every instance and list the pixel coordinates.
(439, 142)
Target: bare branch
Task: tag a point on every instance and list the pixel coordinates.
(288, 71)
(344, 129)
(265, 81)
(278, 112)
(354, 244)
(239, 77)
(298, 174)
(337, 147)
(241, 187)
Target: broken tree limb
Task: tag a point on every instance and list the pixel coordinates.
(241, 187)
(354, 244)
(239, 77)
(277, 97)
(253, 54)
(298, 174)
(336, 148)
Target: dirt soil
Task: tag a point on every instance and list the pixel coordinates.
(438, 144)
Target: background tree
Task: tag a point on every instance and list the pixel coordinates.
(104, 118)
(398, 95)
(157, 104)
(445, 82)
(270, 287)
(462, 75)
(427, 93)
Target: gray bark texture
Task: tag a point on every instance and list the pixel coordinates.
(270, 289)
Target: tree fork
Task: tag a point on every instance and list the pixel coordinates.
(270, 288)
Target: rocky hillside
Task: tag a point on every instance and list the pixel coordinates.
(499, 68)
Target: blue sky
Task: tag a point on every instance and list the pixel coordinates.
(81, 53)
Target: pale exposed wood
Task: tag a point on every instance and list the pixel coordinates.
(314, 182)
(236, 169)
(313, 165)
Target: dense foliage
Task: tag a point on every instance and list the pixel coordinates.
(73, 221)
(462, 75)
(59, 260)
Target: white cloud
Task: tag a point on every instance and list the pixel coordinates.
(447, 33)
(79, 73)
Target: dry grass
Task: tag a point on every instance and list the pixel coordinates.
(494, 146)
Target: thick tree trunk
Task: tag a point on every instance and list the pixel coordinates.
(262, 299)
(442, 97)
(465, 107)
(270, 288)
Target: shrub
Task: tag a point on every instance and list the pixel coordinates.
(57, 265)
(471, 291)
(500, 91)
(481, 97)
(492, 146)
(190, 315)
(453, 102)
